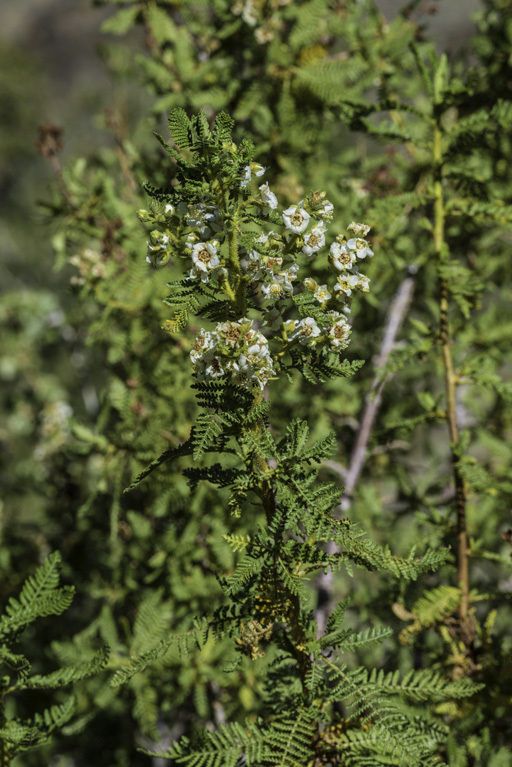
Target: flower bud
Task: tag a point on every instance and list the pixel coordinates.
(310, 284)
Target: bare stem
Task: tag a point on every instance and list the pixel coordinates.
(396, 315)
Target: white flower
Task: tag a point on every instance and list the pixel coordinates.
(306, 330)
(360, 246)
(322, 294)
(214, 368)
(257, 169)
(339, 333)
(310, 284)
(234, 349)
(191, 240)
(249, 14)
(264, 34)
(158, 240)
(247, 177)
(169, 210)
(258, 349)
(363, 283)
(269, 240)
(206, 220)
(295, 219)
(286, 278)
(325, 211)
(334, 316)
(204, 256)
(267, 198)
(255, 266)
(218, 274)
(195, 217)
(348, 282)
(341, 257)
(203, 344)
(272, 263)
(239, 377)
(360, 230)
(314, 240)
(230, 332)
(263, 375)
(302, 330)
(272, 290)
(261, 267)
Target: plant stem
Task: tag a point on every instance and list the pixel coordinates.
(268, 499)
(5, 759)
(294, 617)
(450, 380)
(396, 315)
(235, 272)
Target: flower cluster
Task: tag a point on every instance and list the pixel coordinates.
(90, 266)
(268, 271)
(274, 273)
(255, 15)
(233, 349)
(344, 255)
(54, 429)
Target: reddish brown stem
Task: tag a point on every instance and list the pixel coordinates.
(397, 313)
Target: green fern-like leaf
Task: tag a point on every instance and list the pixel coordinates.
(179, 125)
(168, 455)
(223, 126)
(206, 433)
(38, 598)
(69, 675)
(22, 735)
(433, 607)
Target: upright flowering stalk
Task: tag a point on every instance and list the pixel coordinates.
(246, 266)
(294, 322)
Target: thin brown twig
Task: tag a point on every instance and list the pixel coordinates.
(49, 143)
(115, 125)
(466, 620)
(396, 316)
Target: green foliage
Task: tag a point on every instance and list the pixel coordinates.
(203, 579)
(266, 590)
(40, 597)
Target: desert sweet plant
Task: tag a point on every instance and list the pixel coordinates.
(263, 316)
(299, 78)
(142, 550)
